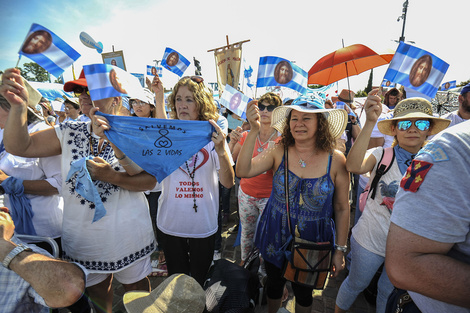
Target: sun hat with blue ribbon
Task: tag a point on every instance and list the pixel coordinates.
(337, 118)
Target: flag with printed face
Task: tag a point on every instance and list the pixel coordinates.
(235, 101)
(274, 71)
(106, 81)
(448, 85)
(174, 62)
(387, 83)
(158, 146)
(154, 70)
(48, 50)
(416, 69)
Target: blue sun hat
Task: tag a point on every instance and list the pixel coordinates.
(337, 118)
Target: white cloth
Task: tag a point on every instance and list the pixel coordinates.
(454, 118)
(372, 228)
(124, 234)
(376, 132)
(47, 210)
(176, 215)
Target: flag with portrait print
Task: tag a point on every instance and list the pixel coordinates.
(106, 81)
(152, 70)
(448, 85)
(235, 101)
(48, 50)
(416, 69)
(386, 83)
(174, 62)
(275, 71)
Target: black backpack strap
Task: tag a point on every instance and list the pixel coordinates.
(382, 168)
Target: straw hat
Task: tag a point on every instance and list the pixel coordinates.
(178, 293)
(413, 108)
(337, 118)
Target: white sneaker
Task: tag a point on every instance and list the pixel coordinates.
(217, 255)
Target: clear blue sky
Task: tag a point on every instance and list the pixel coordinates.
(299, 30)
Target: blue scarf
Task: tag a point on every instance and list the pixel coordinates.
(158, 146)
(404, 158)
(85, 187)
(22, 212)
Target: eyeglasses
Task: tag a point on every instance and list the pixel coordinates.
(137, 103)
(79, 90)
(196, 79)
(422, 125)
(269, 107)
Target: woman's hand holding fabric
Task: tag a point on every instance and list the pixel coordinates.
(13, 89)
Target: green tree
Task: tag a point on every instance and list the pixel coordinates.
(34, 72)
(463, 83)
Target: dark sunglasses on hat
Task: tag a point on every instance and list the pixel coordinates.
(78, 90)
(269, 107)
(196, 79)
(422, 125)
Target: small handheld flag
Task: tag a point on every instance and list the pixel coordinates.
(416, 69)
(48, 50)
(274, 71)
(174, 62)
(235, 101)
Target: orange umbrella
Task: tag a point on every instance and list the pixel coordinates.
(345, 62)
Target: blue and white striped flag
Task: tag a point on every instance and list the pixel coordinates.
(274, 71)
(48, 50)
(106, 81)
(387, 83)
(174, 62)
(235, 101)
(416, 69)
(152, 70)
(448, 85)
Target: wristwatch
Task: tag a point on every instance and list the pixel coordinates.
(13, 253)
(342, 248)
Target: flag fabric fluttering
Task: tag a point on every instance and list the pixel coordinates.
(158, 146)
(48, 50)
(416, 69)
(387, 83)
(274, 71)
(106, 81)
(235, 101)
(448, 85)
(248, 72)
(174, 62)
(154, 70)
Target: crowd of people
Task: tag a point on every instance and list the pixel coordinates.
(300, 168)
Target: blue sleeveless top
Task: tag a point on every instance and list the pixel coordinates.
(311, 209)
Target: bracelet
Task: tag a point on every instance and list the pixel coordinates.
(121, 158)
(342, 248)
(13, 253)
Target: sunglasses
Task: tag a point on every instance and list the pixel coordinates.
(422, 125)
(137, 103)
(269, 107)
(79, 90)
(196, 79)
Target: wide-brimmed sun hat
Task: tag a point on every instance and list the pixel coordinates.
(337, 118)
(178, 293)
(413, 108)
(146, 96)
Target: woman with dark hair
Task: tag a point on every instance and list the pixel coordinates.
(420, 71)
(318, 185)
(190, 221)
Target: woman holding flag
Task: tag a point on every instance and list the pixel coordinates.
(189, 204)
(118, 243)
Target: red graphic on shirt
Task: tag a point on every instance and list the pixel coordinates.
(186, 188)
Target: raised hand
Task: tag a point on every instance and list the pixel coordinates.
(13, 88)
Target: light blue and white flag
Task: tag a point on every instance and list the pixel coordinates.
(235, 101)
(106, 81)
(158, 146)
(448, 85)
(151, 70)
(274, 71)
(174, 62)
(416, 69)
(387, 83)
(48, 50)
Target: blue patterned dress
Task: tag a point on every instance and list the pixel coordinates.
(311, 209)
